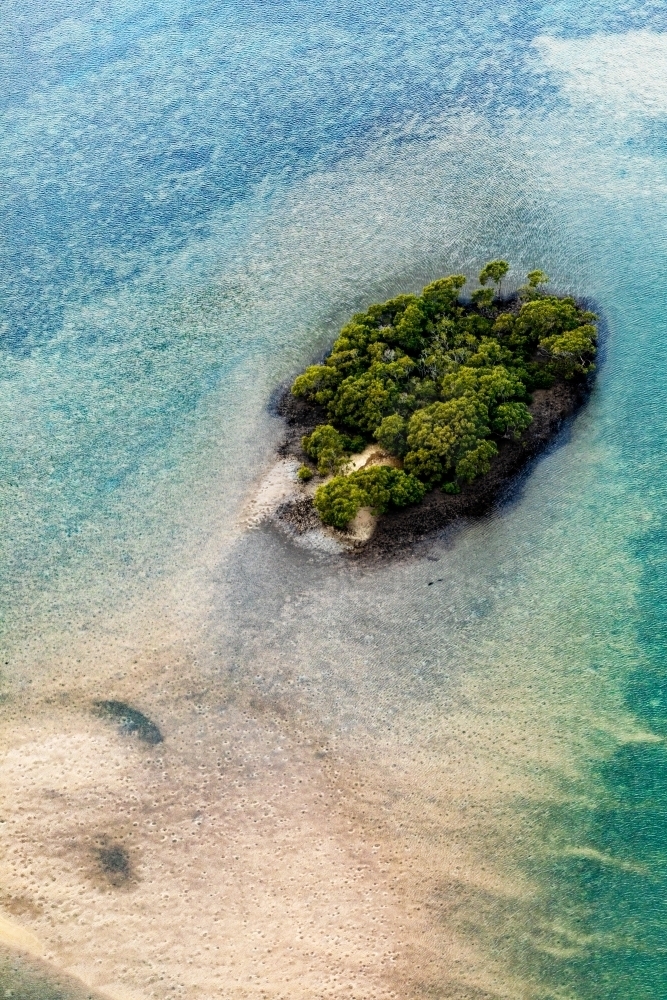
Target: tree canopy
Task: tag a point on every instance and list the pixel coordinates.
(494, 271)
(379, 488)
(438, 383)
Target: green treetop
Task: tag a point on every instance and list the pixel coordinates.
(438, 383)
(494, 271)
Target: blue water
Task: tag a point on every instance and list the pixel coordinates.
(193, 197)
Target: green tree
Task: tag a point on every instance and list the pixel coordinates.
(504, 326)
(354, 336)
(464, 381)
(392, 434)
(490, 385)
(483, 298)
(440, 298)
(410, 330)
(537, 278)
(533, 288)
(571, 352)
(362, 401)
(378, 487)
(497, 385)
(476, 462)
(490, 352)
(405, 489)
(346, 363)
(547, 316)
(338, 501)
(511, 419)
(440, 435)
(494, 271)
(389, 313)
(318, 383)
(326, 447)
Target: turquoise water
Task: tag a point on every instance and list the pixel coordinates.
(194, 197)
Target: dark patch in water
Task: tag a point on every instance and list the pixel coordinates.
(114, 863)
(130, 720)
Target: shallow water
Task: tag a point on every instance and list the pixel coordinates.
(443, 777)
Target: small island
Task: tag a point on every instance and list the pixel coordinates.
(427, 405)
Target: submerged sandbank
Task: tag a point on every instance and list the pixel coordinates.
(322, 819)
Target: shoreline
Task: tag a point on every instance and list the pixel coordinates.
(398, 531)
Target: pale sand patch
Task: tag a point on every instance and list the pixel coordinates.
(280, 486)
(266, 858)
(373, 454)
(14, 936)
(242, 878)
(262, 861)
(273, 852)
(275, 488)
(361, 528)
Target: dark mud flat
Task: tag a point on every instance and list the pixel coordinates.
(398, 531)
(300, 416)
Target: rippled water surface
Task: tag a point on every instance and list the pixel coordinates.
(444, 777)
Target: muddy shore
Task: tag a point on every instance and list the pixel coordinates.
(399, 530)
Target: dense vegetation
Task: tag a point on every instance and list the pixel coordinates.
(437, 383)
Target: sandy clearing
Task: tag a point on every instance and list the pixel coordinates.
(14, 936)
